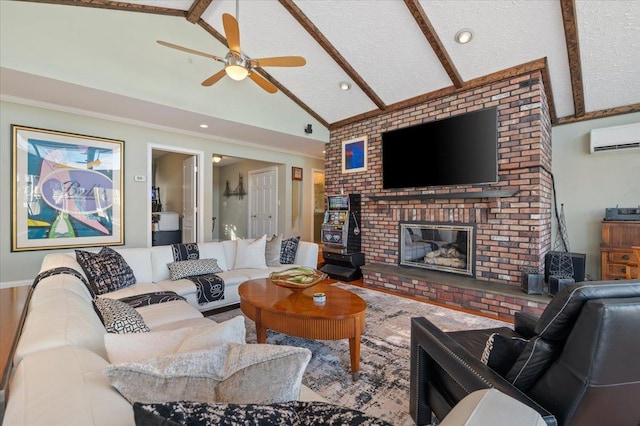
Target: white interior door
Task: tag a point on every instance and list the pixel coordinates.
(189, 199)
(263, 202)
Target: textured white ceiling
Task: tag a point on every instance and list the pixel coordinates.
(610, 52)
(114, 51)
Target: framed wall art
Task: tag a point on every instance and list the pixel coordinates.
(296, 173)
(66, 190)
(354, 155)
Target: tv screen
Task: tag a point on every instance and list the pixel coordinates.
(459, 150)
(338, 202)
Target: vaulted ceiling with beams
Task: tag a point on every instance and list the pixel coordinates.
(392, 54)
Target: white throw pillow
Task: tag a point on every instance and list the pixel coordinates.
(229, 373)
(250, 253)
(123, 348)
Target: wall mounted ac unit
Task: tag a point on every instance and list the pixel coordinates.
(615, 138)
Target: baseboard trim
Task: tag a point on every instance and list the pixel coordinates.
(9, 284)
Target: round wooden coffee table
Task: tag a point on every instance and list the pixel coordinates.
(295, 313)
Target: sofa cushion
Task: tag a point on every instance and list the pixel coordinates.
(231, 372)
(189, 268)
(64, 386)
(58, 316)
(161, 314)
(118, 317)
(132, 348)
(215, 250)
(139, 260)
(288, 250)
(293, 413)
(106, 270)
(500, 352)
(250, 253)
(272, 251)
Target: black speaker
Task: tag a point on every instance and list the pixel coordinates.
(578, 260)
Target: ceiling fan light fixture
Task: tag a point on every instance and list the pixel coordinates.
(236, 72)
(464, 36)
(236, 67)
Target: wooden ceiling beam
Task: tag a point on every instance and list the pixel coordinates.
(114, 5)
(314, 32)
(610, 112)
(570, 23)
(208, 28)
(436, 44)
(538, 65)
(197, 9)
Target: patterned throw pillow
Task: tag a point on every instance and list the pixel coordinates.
(286, 413)
(189, 268)
(288, 250)
(500, 352)
(118, 317)
(106, 270)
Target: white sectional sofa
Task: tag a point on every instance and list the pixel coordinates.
(60, 357)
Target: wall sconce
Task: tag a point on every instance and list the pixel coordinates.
(216, 158)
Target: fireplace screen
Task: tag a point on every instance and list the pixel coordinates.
(442, 247)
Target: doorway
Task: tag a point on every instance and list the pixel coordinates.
(263, 202)
(175, 191)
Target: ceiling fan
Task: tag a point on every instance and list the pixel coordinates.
(237, 65)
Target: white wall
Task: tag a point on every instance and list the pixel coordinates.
(23, 266)
(588, 183)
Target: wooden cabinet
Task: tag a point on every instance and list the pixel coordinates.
(618, 260)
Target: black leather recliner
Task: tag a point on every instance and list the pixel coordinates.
(580, 366)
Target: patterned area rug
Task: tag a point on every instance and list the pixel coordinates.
(382, 389)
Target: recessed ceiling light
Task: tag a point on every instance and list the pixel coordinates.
(345, 85)
(204, 126)
(464, 36)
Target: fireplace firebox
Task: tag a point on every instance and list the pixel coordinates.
(448, 247)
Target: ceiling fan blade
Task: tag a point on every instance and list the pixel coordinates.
(186, 49)
(263, 82)
(214, 78)
(232, 31)
(281, 61)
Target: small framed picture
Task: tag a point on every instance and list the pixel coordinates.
(354, 155)
(296, 173)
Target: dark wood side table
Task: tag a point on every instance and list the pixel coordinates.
(13, 311)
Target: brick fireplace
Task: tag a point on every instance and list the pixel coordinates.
(511, 218)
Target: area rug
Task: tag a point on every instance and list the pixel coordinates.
(382, 388)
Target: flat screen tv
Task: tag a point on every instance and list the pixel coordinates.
(459, 150)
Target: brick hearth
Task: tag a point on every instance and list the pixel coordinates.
(491, 298)
(512, 217)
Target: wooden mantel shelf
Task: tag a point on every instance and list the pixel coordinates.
(453, 195)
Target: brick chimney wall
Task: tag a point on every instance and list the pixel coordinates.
(511, 232)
